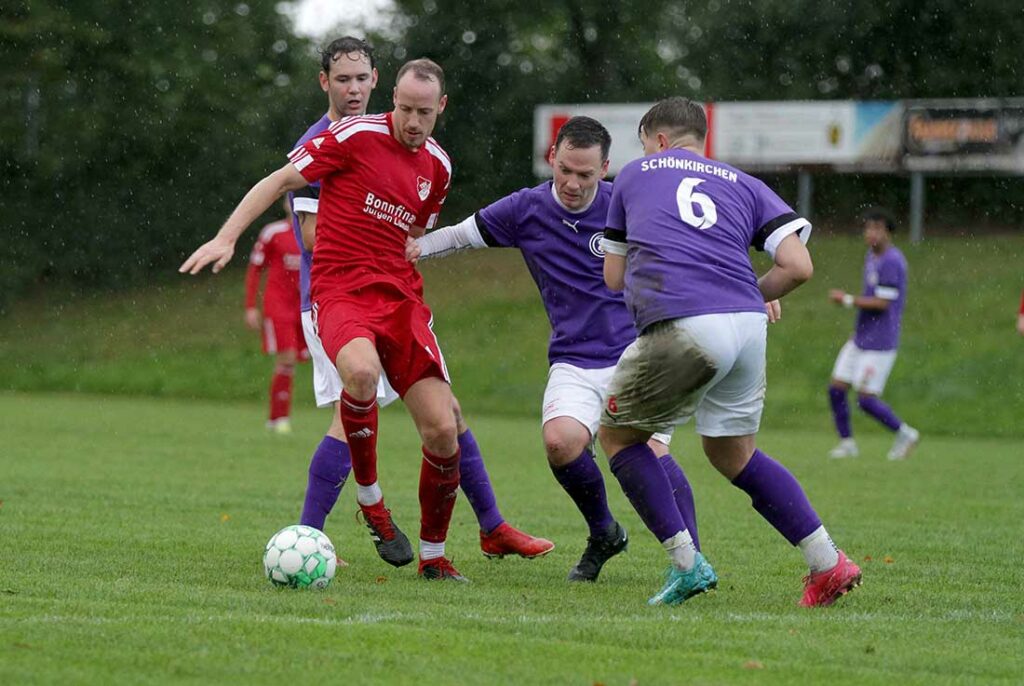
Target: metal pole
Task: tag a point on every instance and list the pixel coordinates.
(916, 207)
(804, 193)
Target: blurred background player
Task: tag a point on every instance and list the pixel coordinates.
(276, 253)
(1020, 316)
(557, 226)
(348, 76)
(679, 230)
(866, 360)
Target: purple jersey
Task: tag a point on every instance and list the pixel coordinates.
(590, 326)
(306, 199)
(885, 276)
(688, 223)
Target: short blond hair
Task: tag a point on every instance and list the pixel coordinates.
(424, 69)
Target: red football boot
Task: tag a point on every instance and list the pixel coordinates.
(824, 588)
(440, 568)
(508, 540)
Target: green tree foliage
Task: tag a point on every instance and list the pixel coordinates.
(129, 128)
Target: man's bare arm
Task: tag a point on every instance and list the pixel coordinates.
(792, 268)
(260, 197)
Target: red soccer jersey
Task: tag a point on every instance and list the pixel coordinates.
(372, 191)
(276, 252)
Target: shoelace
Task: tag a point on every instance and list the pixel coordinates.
(380, 523)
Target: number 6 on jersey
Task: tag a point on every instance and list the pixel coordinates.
(686, 198)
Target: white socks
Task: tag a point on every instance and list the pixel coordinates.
(681, 551)
(819, 551)
(431, 551)
(368, 495)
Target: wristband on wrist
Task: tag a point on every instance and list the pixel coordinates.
(847, 300)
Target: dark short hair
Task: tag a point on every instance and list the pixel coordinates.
(345, 45)
(879, 214)
(678, 115)
(584, 132)
(424, 69)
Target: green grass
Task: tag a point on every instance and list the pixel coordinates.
(132, 532)
(960, 369)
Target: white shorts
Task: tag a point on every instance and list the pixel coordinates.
(865, 370)
(579, 393)
(711, 366)
(326, 382)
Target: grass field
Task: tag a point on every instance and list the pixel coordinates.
(132, 532)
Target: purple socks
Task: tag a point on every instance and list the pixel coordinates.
(840, 411)
(582, 480)
(328, 470)
(778, 497)
(647, 486)
(874, 406)
(683, 495)
(477, 485)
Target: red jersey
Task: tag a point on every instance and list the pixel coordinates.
(276, 252)
(372, 191)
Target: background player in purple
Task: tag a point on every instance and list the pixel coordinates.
(557, 226)
(348, 76)
(866, 360)
(679, 231)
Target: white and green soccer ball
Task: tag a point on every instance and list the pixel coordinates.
(300, 557)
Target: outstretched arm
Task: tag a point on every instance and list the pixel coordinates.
(259, 198)
(863, 302)
(792, 268)
(451, 239)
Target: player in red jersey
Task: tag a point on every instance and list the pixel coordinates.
(348, 76)
(277, 253)
(383, 179)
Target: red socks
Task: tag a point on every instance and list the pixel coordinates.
(360, 420)
(439, 484)
(281, 393)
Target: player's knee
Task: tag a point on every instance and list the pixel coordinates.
(360, 380)
(439, 435)
(562, 446)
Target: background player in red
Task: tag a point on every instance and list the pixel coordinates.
(383, 179)
(276, 253)
(1020, 316)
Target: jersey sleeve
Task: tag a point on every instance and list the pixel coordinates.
(498, 223)
(614, 241)
(775, 220)
(306, 199)
(322, 155)
(890, 280)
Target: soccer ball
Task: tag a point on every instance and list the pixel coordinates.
(300, 557)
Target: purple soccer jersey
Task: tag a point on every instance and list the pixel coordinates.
(306, 198)
(688, 223)
(885, 276)
(590, 325)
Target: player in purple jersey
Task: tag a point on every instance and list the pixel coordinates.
(557, 226)
(866, 360)
(679, 231)
(348, 76)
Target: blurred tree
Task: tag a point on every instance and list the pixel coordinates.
(129, 128)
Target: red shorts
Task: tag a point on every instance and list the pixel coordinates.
(398, 327)
(281, 335)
